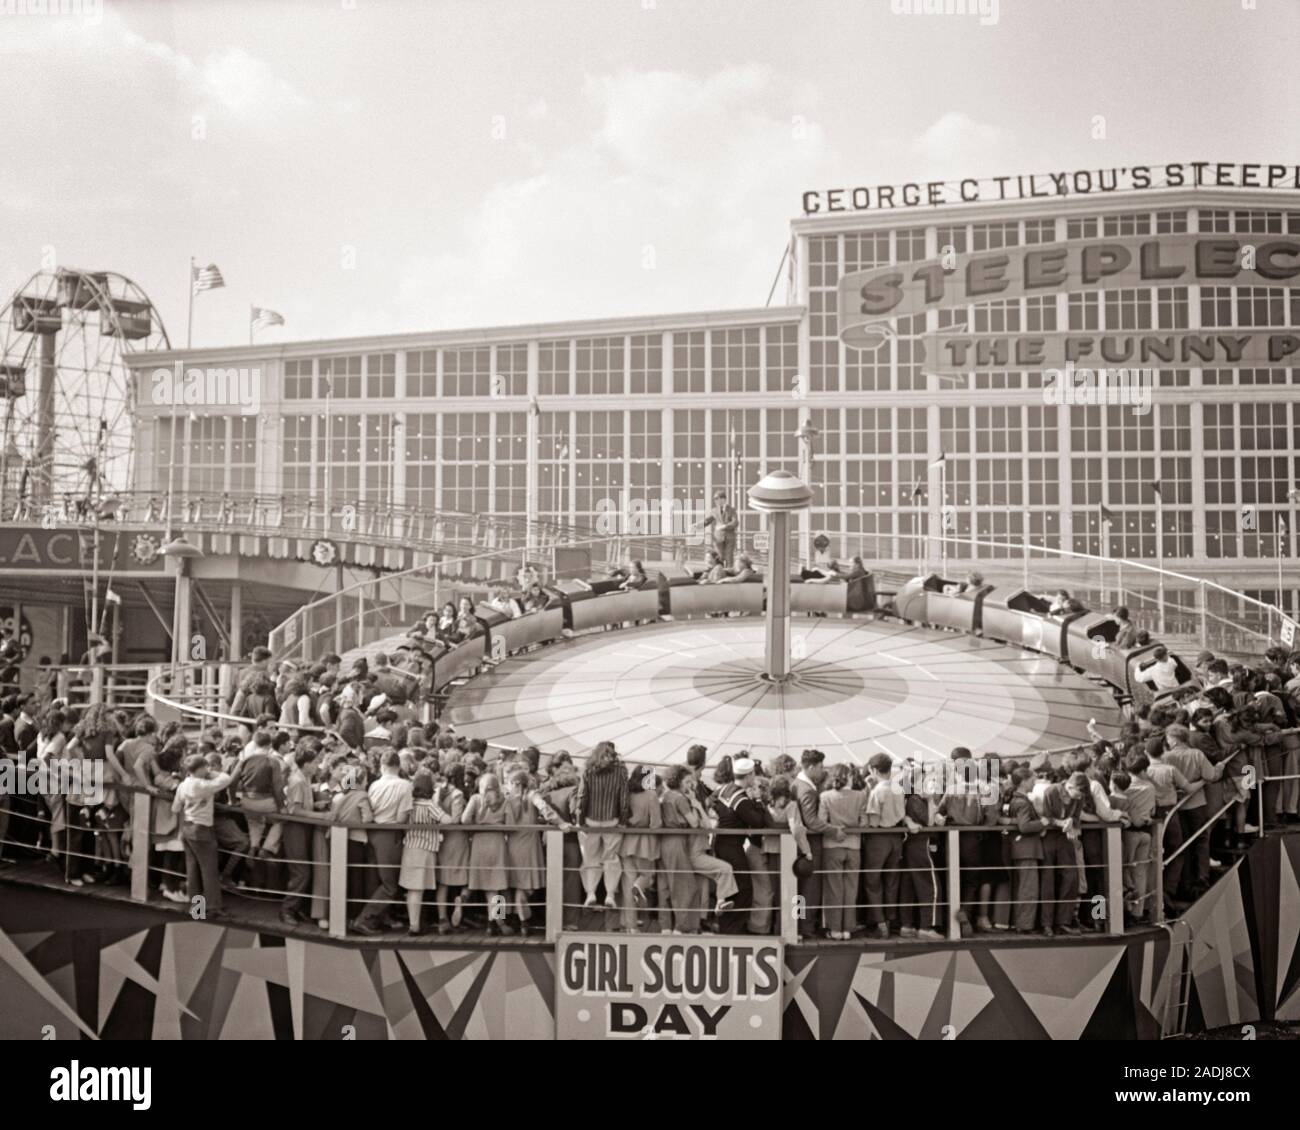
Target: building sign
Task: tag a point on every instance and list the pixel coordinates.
(35, 548)
(869, 299)
(1037, 186)
(953, 352)
(677, 987)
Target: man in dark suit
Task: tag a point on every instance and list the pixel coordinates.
(807, 789)
(736, 808)
(723, 520)
(1026, 850)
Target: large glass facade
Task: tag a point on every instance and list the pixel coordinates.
(583, 420)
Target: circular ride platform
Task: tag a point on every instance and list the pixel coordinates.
(857, 687)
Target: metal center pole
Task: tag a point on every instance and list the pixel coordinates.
(778, 598)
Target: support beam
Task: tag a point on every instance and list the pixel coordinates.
(166, 624)
(42, 482)
(236, 622)
(210, 611)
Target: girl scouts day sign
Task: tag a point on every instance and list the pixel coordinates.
(669, 988)
(868, 300)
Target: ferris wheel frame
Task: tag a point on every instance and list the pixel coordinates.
(68, 407)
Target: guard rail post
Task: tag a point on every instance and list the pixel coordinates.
(1114, 880)
(338, 898)
(954, 882)
(151, 677)
(1260, 779)
(141, 826)
(1157, 883)
(554, 884)
(788, 892)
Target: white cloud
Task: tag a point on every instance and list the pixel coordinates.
(678, 199)
(230, 79)
(245, 85)
(957, 142)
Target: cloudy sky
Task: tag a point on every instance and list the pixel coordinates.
(367, 166)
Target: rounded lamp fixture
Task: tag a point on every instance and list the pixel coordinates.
(780, 491)
(179, 547)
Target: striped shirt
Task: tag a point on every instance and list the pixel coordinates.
(423, 837)
(602, 795)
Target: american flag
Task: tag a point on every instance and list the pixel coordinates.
(207, 278)
(264, 317)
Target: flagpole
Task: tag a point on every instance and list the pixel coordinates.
(917, 495)
(1281, 540)
(185, 470)
(1160, 557)
(250, 323)
(189, 324)
(943, 517)
(1105, 556)
(329, 454)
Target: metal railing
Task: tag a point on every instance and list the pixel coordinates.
(298, 516)
(1218, 617)
(373, 610)
(358, 613)
(329, 878)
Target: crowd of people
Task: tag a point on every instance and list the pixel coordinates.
(447, 834)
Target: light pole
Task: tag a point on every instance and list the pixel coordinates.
(807, 436)
(1292, 497)
(181, 552)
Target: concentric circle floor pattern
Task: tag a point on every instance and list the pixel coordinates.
(858, 687)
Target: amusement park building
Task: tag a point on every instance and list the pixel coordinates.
(567, 420)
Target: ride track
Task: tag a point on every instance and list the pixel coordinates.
(858, 687)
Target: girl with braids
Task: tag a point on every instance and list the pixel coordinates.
(166, 831)
(525, 859)
(453, 851)
(50, 745)
(640, 852)
(487, 850)
(98, 819)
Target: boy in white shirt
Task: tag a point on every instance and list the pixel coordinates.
(195, 803)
